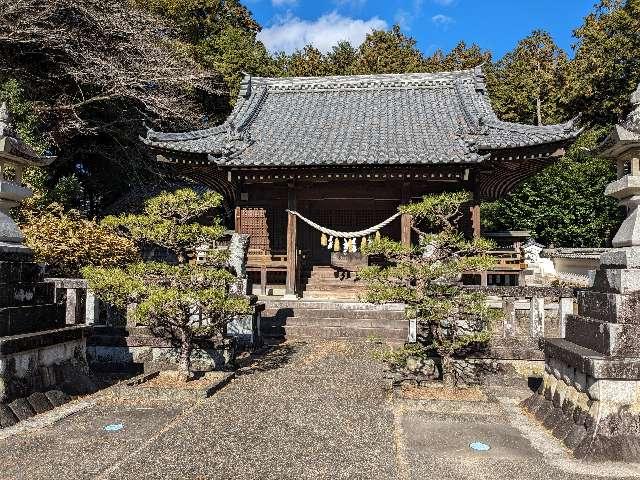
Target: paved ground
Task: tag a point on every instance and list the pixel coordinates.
(306, 411)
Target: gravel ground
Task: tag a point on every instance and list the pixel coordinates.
(304, 411)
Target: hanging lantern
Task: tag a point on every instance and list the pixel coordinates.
(323, 240)
(378, 235)
(336, 245)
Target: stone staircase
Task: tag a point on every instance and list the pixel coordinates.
(331, 283)
(335, 319)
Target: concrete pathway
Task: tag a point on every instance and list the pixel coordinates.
(305, 411)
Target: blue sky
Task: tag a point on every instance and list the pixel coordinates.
(496, 25)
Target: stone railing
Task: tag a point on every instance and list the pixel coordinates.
(82, 306)
(528, 314)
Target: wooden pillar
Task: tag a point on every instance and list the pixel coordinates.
(405, 219)
(292, 253)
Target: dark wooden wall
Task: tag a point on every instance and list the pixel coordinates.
(341, 205)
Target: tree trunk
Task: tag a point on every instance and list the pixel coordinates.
(186, 347)
(448, 372)
(539, 110)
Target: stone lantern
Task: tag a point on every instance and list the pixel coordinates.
(590, 396)
(38, 351)
(15, 155)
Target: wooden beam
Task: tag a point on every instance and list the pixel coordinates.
(292, 253)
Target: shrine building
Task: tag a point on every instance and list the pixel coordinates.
(343, 152)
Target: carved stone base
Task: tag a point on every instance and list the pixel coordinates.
(593, 429)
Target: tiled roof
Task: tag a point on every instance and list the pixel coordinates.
(418, 118)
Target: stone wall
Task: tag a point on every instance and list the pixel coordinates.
(43, 361)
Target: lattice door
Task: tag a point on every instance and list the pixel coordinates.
(266, 226)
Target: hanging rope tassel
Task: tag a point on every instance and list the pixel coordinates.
(336, 245)
(330, 243)
(378, 235)
(323, 240)
(363, 243)
(354, 247)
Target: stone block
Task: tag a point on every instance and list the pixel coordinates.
(21, 409)
(39, 340)
(610, 307)
(7, 417)
(612, 339)
(621, 258)
(30, 319)
(575, 436)
(39, 402)
(620, 392)
(617, 280)
(57, 397)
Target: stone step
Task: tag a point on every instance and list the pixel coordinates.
(331, 305)
(336, 288)
(615, 339)
(334, 281)
(305, 331)
(344, 314)
(347, 322)
(331, 295)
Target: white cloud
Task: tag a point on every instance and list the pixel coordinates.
(442, 20)
(291, 33)
(280, 3)
(406, 18)
(354, 4)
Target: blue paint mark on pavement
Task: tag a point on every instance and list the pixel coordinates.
(114, 427)
(479, 446)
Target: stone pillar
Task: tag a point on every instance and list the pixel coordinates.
(509, 325)
(92, 309)
(565, 308)
(536, 317)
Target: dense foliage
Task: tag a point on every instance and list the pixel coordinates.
(564, 205)
(426, 279)
(67, 242)
(182, 303)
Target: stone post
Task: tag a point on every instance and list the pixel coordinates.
(536, 317)
(565, 308)
(509, 322)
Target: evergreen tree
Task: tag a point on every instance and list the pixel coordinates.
(389, 51)
(342, 58)
(606, 67)
(526, 84)
(563, 205)
(426, 279)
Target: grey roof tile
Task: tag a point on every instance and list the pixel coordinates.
(417, 118)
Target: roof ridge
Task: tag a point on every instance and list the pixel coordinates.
(391, 79)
